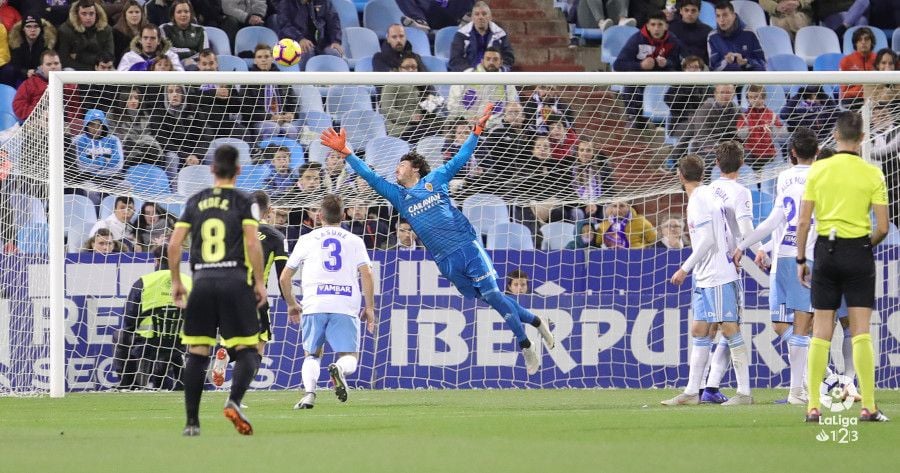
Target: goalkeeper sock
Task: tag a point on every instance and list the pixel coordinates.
(699, 356)
(193, 375)
(741, 359)
(847, 352)
(502, 304)
(719, 364)
(798, 349)
(524, 314)
(864, 360)
(245, 365)
(815, 367)
(347, 364)
(310, 373)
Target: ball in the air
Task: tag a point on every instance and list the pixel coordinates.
(286, 52)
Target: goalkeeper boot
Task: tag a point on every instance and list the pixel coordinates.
(306, 402)
(191, 431)
(544, 329)
(798, 397)
(233, 413)
(710, 397)
(220, 362)
(532, 362)
(877, 416)
(682, 400)
(739, 400)
(340, 382)
(813, 415)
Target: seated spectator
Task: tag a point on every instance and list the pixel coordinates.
(56, 11)
(501, 152)
(601, 13)
(219, 111)
(884, 94)
(475, 39)
(98, 151)
(335, 173)
(690, 30)
(162, 64)
(152, 227)
(584, 235)
(394, 48)
(270, 108)
(404, 239)
(129, 26)
(458, 130)
(27, 40)
(590, 173)
(102, 243)
(684, 100)
(206, 12)
(758, 128)
(146, 48)
(671, 234)
(186, 37)
(812, 108)
(715, 120)
(312, 23)
(790, 15)
(282, 178)
(545, 178)
(544, 101)
(517, 283)
(118, 223)
(861, 59)
(129, 119)
(840, 15)
(563, 139)
(733, 46)
(411, 112)
(9, 16)
(100, 96)
(84, 35)
(32, 89)
(172, 119)
(624, 228)
(246, 12)
(650, 49)
(468, 101)
(367, 226)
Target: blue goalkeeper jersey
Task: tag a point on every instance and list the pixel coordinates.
(426, 206)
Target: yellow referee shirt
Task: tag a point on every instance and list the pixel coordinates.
(844, 187)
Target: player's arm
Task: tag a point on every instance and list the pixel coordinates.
(769, 225)
(254, 253)
(743, 213)
(701, 244)
(285, 281)
(368, 289)
(803, 225)
(280, 260)
(175, 243)
(338, 142)
(445, 173)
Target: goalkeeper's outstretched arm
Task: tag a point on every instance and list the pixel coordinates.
(443, 174)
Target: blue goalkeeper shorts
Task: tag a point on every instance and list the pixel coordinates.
(470, 269)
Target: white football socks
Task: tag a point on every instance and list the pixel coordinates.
(347, 364)
(719, 364)
(798, 349)
(741, 359)
(699, 357)
(310, 373)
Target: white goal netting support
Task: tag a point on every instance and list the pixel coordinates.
(571, 188)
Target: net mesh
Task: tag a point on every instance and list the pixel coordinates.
(571, 187)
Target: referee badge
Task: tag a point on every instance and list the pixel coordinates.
(429, 187)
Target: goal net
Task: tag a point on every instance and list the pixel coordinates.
(571, 188)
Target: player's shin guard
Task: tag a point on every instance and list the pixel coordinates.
(719, 364)
(524, 314)
(507, 310)
(741, 359)
(815, 371)
(699, 356)
(312, 366)
(193, 376)
(246, 363)
(864, 360)
(798, 349)
(347, 364)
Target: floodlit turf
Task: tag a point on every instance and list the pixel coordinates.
(425, 431)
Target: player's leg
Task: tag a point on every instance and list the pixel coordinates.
(239, 328)
(199, 334)
(798, 351)
(728, 310)
(313, 330)
(528, 317)
(719, 361)
(700, 345)
(343, 334)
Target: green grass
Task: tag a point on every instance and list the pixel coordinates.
(430, 431)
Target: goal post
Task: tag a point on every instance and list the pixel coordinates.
(528, 195)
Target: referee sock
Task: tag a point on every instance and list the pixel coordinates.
(246, 362)
(864, 360)
(719, 364)
(741, 359)
(699, 356)
(815, 368)
(798, 349)
(524, 314)
(193, 376)
(503, 304)
(310, 370)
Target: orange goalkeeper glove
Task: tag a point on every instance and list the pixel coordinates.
(336, 141)
(485, 116)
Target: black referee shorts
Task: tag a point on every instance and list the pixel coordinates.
(843, 267)
(223, 303)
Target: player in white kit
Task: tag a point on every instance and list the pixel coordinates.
(716, 296)
(334, 260)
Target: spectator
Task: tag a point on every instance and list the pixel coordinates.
(414, 12)
(840, 15)
(186, 37)
(692, 32)
(102, 243)
(715, 120)
(246, 12)
(584, 235)
(271, 108)
(684, 100)
(392, 51)
(517, 283)
(131, 23)
(98, 151)
(590, 173)
(467, 101)
(861, 59)
(624, 228)
(9, 16)
(884, 94)
(129, 120)
(218, 106)
(458, 130)
(502, 152)
(563, 139)
(85, 35)
(206, 12)
(544, 101)
(335, 175)
(733, 46)
(650, 49)
(32, 89)
(146, 48)
(436, 13)
(671, 234)
(162, 64)
(544, 178)
(812, 108)
(790, 15)
(56, 11)
(152, 227)
(367, 226)
(314, 24)
(411, 111)
(27, 40)
(475, 39)
(758, 128)
(282, 178)
(100, 96)
(404, 239)
(173, 120)
(601, 13)
(118, 223)
(113, 9)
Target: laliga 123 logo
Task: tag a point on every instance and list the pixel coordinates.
(834, 396)
(833, 393)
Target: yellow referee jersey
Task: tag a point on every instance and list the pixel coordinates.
(844, 187)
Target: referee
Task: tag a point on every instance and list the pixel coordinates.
(842, 190)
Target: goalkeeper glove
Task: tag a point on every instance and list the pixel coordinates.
(485, 116)
(336, 141)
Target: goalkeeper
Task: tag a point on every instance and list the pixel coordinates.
(423, 199)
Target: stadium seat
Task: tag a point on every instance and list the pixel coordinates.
(327, 63)
(344, 98)
(318, 152)
(76, 236)
(708, 13)
(346, 11)
(881, 40)
(310, 98)
(363, 126)
(751, 13)
(828, 62)
(419, 41)
(895, 39)
(78, 209)
(434, 64)
(786, 62)
(249, 36)
(655, 107)
(241, 145)
(814, 41)
(360, 5)
(432, 148)
(27, 209)
(7, 94)
(253, 177)
(588, 34)
(193, 179)
(108, 204)
(316, 122)
(381, 14)
(775, 98)
(231, 63)
(8, 120)
(510, 236)
(614, 38)
(33, 238)
(774, 41)
(363, 64)
(174, 208)
(557, 235)
(218, 40)
(148, 180)
(484, 211)
(443, 40)
(383, 155)
(359, 43)
(296, 148)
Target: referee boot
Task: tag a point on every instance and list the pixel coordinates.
(340, 382)
(877, 416)
(813, 415)
(232, 412)
(220, 363)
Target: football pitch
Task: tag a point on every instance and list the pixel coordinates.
(436, 430)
